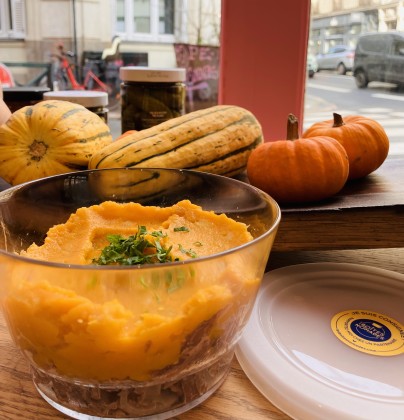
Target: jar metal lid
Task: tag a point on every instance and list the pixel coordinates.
(150, 74)
(87, 98)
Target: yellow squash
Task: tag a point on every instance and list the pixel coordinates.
(49, 138)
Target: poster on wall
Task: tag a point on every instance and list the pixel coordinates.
(202, 70)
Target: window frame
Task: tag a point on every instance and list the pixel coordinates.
(12, 19)
(154, 36)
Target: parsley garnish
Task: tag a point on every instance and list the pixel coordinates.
(181, 229)
(191, 253)
(174, 283)
(135, 249)
(171, 281)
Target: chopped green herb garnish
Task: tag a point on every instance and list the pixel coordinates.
(198, 243)
(169, 282)
(158, 234)
(152, 285)
(181, 229)
(135, 249)
(92, 282)
(174, 283)
(188, 252)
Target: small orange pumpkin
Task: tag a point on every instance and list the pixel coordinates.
(126, 133)
(298, 169)
(364, 140)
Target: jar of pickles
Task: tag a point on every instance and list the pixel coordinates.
(150, 96)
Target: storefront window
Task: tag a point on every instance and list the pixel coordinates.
(355, 29)
(337, 30)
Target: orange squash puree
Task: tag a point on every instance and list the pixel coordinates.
(83, 236)
(113, 324)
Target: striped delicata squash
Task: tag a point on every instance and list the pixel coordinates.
(49, 138)
(218, 140)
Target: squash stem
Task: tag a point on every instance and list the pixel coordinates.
(292, 131)
(338, 121)
(37, 150)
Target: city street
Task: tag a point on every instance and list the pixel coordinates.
(328, 92)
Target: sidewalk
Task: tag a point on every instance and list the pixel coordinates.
(114, 122)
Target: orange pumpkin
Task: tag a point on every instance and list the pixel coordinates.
(364, 140)
(299, 169)
(126, 133)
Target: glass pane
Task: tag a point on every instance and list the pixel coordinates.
(398, 47)
(166, 16)
(141, 16)
(120, 16)
(367, 78)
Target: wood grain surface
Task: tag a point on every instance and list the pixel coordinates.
(367, 213)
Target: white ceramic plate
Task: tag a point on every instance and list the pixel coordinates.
(326, 341)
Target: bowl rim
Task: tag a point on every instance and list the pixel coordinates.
(154, 266)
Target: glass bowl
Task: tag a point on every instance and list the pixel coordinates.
(96, 350)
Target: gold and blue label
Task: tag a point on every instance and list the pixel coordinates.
(369, 332)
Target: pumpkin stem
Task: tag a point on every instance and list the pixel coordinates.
(338, 121)
(292, 131)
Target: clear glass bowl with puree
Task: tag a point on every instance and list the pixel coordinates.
(138, 340)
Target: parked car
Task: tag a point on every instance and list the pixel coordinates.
(379, 57)
(339, 58)
(311, 65)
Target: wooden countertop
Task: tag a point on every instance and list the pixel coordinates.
(367, 213)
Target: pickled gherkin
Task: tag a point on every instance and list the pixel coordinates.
(151, 96)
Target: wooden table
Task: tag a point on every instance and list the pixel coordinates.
(367, 214)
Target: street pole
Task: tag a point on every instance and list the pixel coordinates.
(76, 59)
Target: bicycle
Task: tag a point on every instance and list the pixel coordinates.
(65, 79)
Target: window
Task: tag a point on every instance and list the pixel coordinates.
(145, 20)
(12, 19)
(398, 47)
(141, 16)
(166, 16)
(376, 43)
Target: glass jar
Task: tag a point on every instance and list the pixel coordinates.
(150, 96)
(18, 97)
(94, 101)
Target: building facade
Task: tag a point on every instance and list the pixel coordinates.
(31, 30)
(335, 22)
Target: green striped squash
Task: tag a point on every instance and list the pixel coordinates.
(49, 138)
(218, 140)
